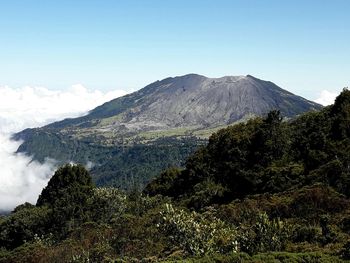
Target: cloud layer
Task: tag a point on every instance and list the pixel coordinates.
(29, 107)
(327, 97)
(21, 178)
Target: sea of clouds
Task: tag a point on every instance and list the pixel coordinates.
(21, 179)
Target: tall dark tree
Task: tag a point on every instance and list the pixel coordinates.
(341, 115)
(67, 194)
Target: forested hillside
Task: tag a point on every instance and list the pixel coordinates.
(121, 165)
(267, 155)
(267, 190)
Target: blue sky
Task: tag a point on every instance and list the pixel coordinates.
(302, 46)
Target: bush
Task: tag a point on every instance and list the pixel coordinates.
(23, 224)
(107, 203)
(309, 234)
(196, 233)
(264, 236)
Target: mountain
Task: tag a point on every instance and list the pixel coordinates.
(137, 135)
(190, 101)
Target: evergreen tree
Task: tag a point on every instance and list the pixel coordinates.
(67, 194)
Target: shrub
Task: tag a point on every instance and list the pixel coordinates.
(265, 235)
(23, 224)
(196, 233)
(107, 203)
(309, 234)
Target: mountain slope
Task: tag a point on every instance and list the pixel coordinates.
(154, 118)
(191, 101)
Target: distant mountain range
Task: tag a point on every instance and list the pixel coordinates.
(173, 115)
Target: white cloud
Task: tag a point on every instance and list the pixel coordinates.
(21, 178)
(30, 107)
(327, 97)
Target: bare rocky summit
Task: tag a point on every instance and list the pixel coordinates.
(195, 100)
(191, 101)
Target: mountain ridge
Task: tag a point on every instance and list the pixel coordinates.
(193, 100)
(132, 138)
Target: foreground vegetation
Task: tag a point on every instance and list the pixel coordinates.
(263, 191)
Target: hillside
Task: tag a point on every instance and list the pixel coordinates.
(157, 126)
(266, 155)
(265, 190)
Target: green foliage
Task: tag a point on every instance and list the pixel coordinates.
(205, 193)
(163, 183)
(271, 257)
(270, 155)
(312, 202)
(234, 160)
(69, 183)
(306, 233)
(28, 252)
(23, 224)
(341, 115)
(197, 234)
(67, 194)
(264, 235)
(107, 204)
(328, 234)
(121, 164)
(136, 164)
(279, 177)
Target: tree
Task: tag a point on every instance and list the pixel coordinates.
(269, 141)
(67, 194)
(23, 224)
(163, 183)
(341, 115)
